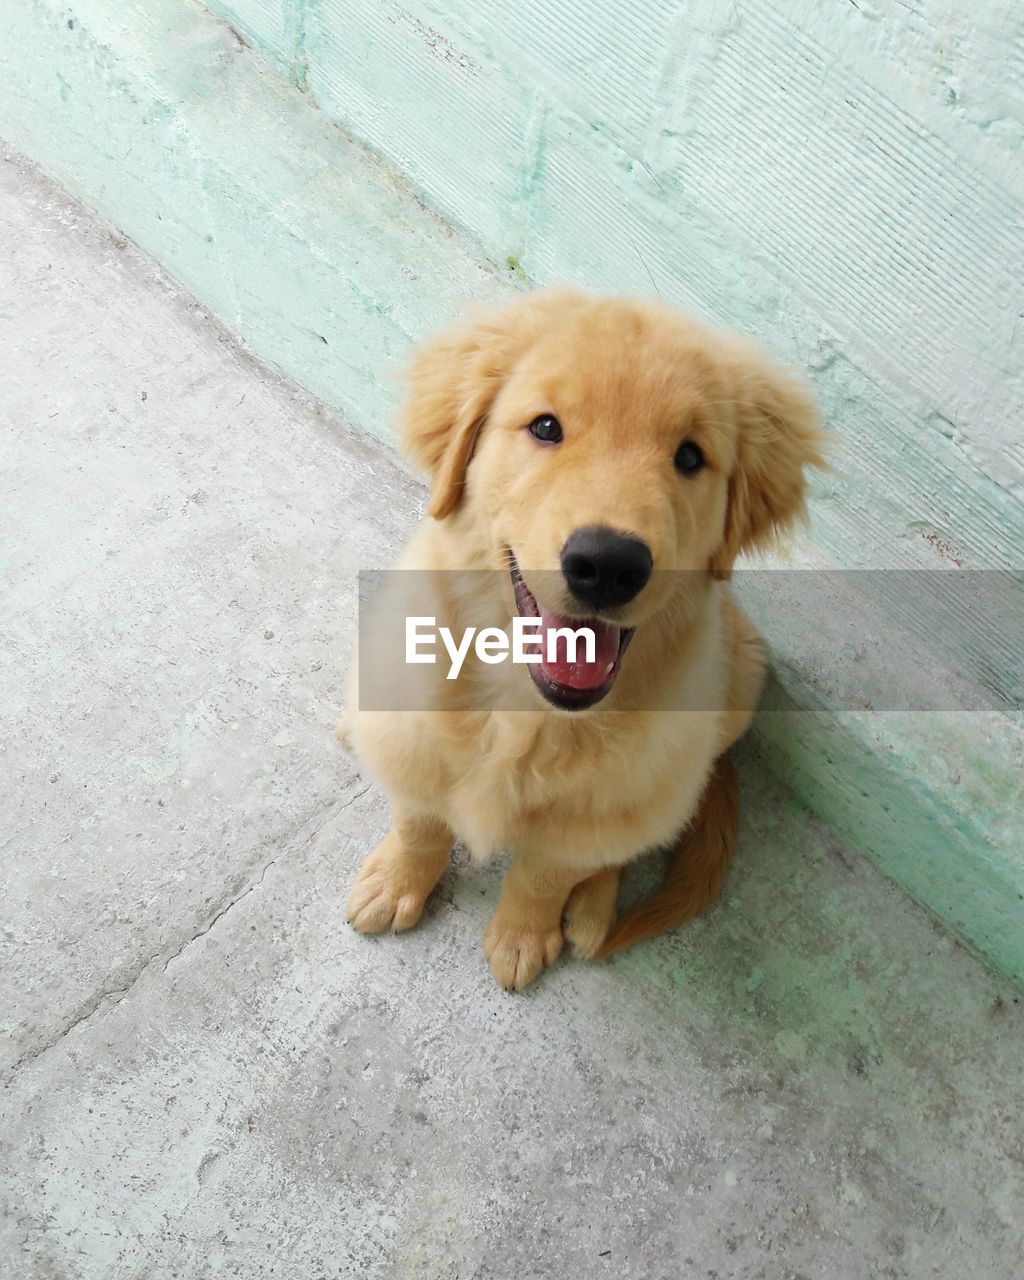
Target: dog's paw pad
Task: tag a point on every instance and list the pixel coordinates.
(376, 905)
(584, 933)
(516, 957)
(589, 915)
(385, 912)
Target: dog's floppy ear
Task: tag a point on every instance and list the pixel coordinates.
(779, 435)
(452, 382)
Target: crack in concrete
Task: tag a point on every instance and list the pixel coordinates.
(214, 919)
(116, 995)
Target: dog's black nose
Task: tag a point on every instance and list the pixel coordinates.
(604, 568)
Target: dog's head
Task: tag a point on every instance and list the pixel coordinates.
(585, 445)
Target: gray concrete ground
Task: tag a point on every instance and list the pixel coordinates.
(207, 1073)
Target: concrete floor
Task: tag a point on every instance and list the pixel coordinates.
(207, 1073)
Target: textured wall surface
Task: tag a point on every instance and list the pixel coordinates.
(841, 180)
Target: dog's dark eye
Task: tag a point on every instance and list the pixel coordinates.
(689, 458)
(546, 429)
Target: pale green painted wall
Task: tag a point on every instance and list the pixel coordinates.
(842, 180)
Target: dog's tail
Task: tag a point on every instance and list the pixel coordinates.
(698, 866)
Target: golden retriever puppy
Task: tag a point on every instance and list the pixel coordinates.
(604, 461)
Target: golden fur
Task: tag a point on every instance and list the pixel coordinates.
(575, 796)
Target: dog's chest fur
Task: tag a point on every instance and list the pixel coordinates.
(588, 790)
(573, 791)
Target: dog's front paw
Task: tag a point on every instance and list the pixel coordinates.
(388, 894)
(517, 954)
(590, 912)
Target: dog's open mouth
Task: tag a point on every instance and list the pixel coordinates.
(570, 681)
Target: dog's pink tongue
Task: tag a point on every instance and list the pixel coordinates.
(579, 674)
